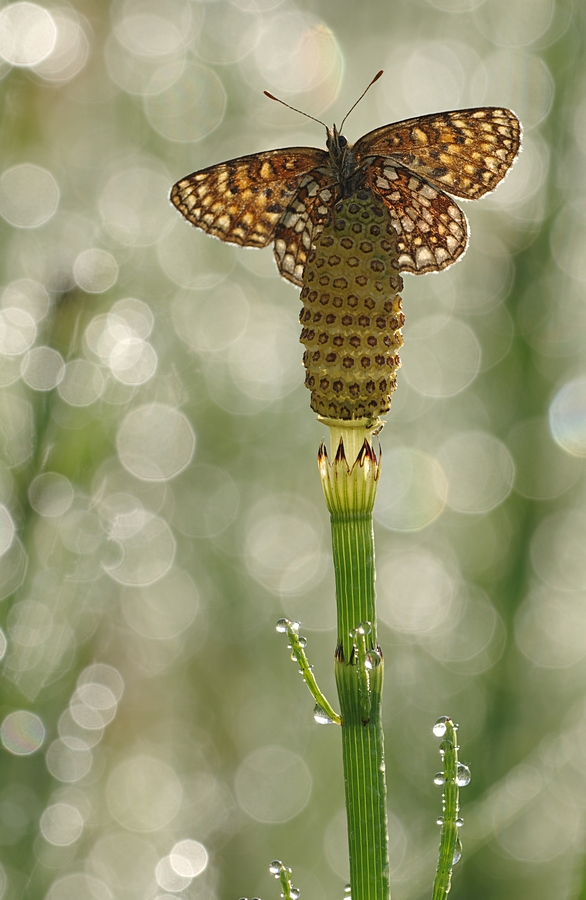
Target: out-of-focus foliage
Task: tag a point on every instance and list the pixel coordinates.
(160, 504)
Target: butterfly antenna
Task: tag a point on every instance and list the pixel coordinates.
(376, 78)
(300, 111)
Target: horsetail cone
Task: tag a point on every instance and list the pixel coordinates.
(351, 314)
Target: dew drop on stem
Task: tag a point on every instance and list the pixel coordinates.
(440, 727)
(463, 776)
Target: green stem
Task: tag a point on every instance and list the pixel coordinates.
(350, 491)
(455, 775)
(362, 734)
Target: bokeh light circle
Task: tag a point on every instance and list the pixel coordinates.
(168, 878)
(50, 494)
(211, 319)
(441, 357)
(27, 33)
(22, 732)
(69, 760)
(29, 195)
(61, 824)
(134, 206)
(189, 858)
(297, 52)
(95, 270)
(26, 295)
(17, 331)
(543, 469)
(7, 529)
(283, 547)
(82, 383)
(161, 610)
(206, 501)
(416, 494)
(550, 627)
(479, 469)
(147, 549)
(79, 886)
(418, 593)
(191, 108)
(155, 442)
(42, 368)
(557, 550)
(514, 25)
(273, 784)
(143, 794)
(71, 50)
(567, 417)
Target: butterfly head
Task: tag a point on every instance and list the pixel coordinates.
(337, 146)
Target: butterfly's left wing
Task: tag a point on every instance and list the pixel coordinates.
(304, 221)
(465, 152)
(242, 200)
(432, 231)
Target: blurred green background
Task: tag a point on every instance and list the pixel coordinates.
(160, 502)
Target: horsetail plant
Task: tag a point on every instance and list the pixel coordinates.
(345, 222)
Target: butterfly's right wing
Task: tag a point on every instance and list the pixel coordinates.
(242, 201)
(465, 152)
(432, 232)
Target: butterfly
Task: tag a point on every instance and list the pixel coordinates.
(287, 196)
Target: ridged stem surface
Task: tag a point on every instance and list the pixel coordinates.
(359, 672)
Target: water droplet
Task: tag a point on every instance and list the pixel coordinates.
(439, 820)
(275, 867)
(459, 823)
(463, 776)
(364, 628)
(445, 747)
(294, 893)
(303, 642)
(321, 716)
(281, 625)
(439, 778)
(292, 657)
(457, 853)
(440, 727)
(373, 659)
(347, 892)
(295, 626)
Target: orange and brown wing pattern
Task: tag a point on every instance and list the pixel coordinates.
(432, 231)
(242, 201)
(465, 152)
(303, 222)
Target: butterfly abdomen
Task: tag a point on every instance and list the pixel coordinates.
(352, 315)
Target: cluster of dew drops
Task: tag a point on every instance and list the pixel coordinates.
(463, 777)
(286, 626)
(373, 657)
